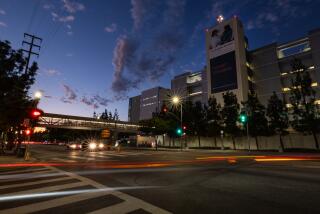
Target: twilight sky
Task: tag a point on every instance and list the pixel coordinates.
(96, 53)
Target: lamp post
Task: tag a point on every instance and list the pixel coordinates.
(176, 101)
(38, 95)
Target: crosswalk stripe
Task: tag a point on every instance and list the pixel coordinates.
(47, 189)
(34, 182)
(22, 171)
(20, 176)
(52, 203)
(120, 208)
(138, 202)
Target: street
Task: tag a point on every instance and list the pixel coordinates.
(149, 181)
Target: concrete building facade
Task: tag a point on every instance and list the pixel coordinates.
(272, 66)
(134, 109)
(231, 66)
(226, 48)
(191, 85)
(150, 101)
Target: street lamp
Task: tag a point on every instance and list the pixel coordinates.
(176, 101)
(38, 95)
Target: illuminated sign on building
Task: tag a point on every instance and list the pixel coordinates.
(223, 73)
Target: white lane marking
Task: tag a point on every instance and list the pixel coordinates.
(99, 156)
(123, 207)
(47, 189)
(22, 171)
(34, 182)
(138, 202)
(64, 160)
(112, 154)
(81, 158)
(20, 176)
(52, 203)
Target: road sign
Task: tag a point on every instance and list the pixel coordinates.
(105, 133)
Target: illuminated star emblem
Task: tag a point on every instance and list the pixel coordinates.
(220, 18)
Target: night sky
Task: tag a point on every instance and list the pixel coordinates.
(96, 53)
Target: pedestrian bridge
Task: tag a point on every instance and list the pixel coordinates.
(50, 120)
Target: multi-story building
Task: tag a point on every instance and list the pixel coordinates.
(272, 65)
(232, 67)
(150, 101)
(191, 85)
(226, 47)
(134, 109)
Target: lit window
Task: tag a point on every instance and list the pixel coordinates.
(311, 67)
(317, 102)
(315, 84)
(288, 105)
(286, 89)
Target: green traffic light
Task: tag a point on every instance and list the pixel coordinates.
(243, 118)
(179, 131)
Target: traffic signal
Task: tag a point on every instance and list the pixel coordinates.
(164, 109)
(179, 131)
(35, 114)
(184, 128)
(28, 132)
(243, 118)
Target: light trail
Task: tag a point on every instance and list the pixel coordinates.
(64, 193)
(285, 159)
(229, 157)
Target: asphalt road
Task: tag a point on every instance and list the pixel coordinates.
(143, 181)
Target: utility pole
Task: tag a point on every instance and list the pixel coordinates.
(31, 43)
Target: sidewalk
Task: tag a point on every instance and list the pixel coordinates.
(10, 157)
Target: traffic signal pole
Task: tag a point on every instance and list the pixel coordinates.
(181, 125)
(248, 139)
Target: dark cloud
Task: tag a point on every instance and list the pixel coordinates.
(123, 55)
(137, 59)
(87, 100)
(95, 101)
(101, 100)
(69, 94)
(142, 11)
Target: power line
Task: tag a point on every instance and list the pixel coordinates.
(31, 45)
(33, 14)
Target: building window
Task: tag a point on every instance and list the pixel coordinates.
(194, 78)
(294, 49)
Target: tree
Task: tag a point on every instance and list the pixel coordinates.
(302, 99)
(257, 121)
(278, 116)
(110, 117)
(14, 87)
(230, 113)
(198, 120)
(213, 118)
(104, 115)
(116, 115)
